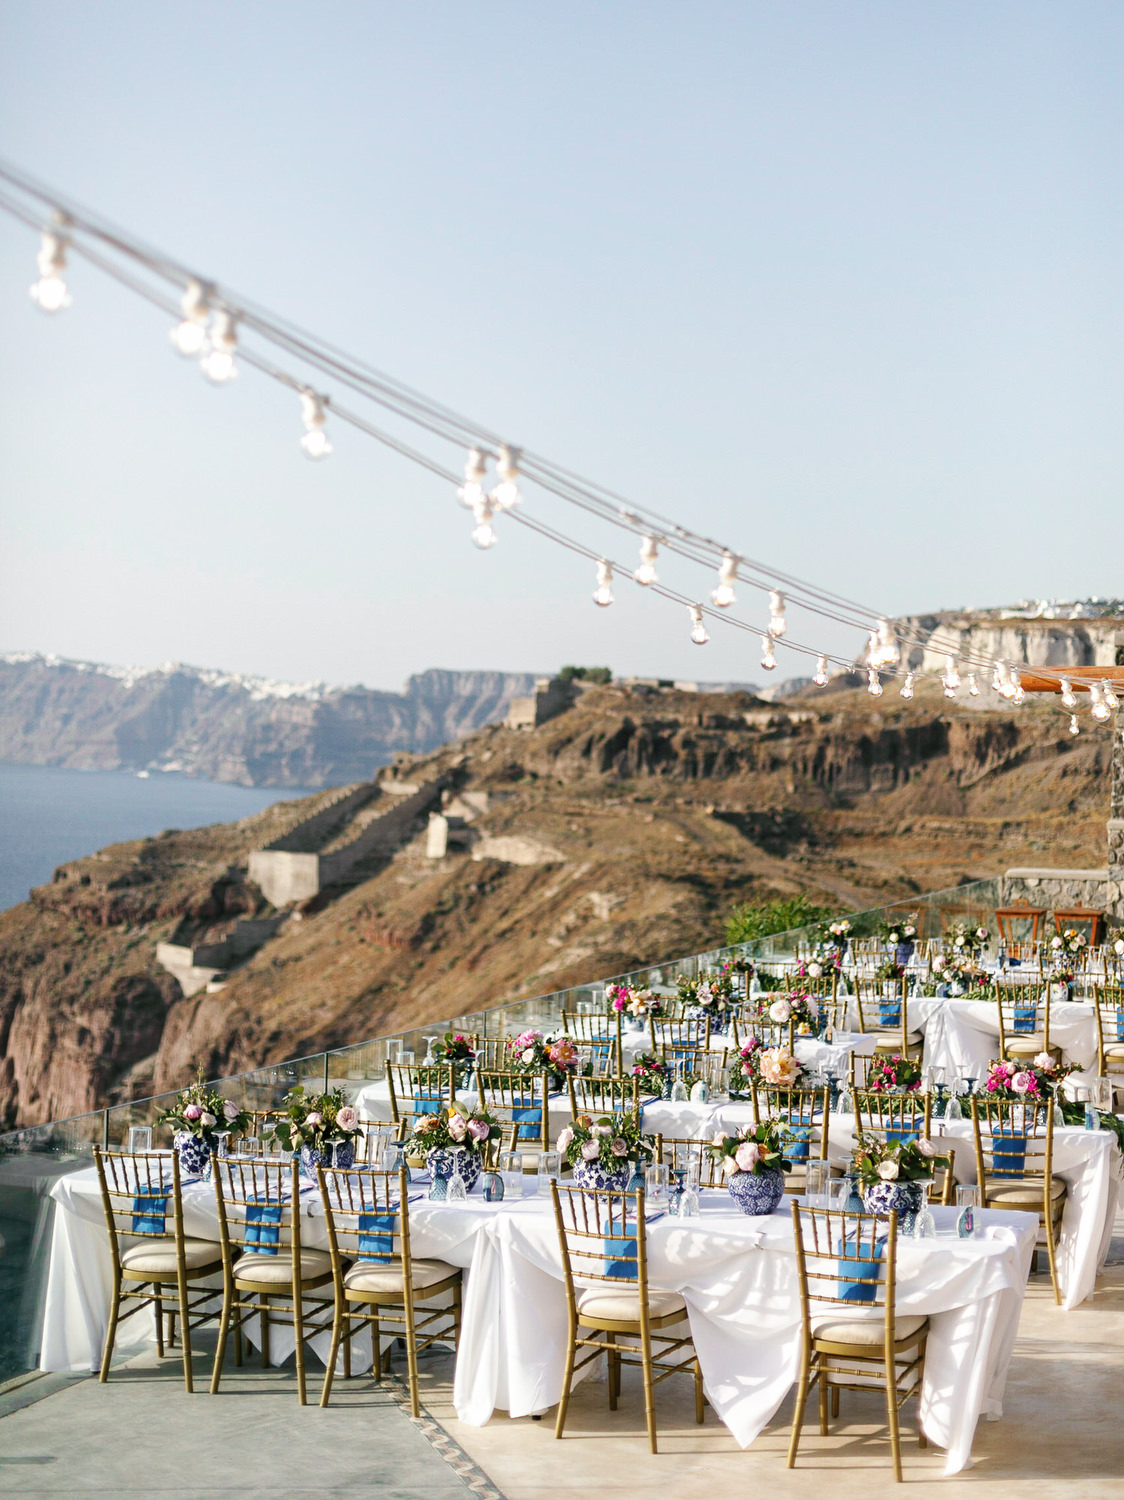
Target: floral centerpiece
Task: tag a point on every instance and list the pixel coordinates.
(894, 1175)
(963, 939)
(634, 1003)
(532, 1052)
(196, 1118)
(835, 934)
(1033, 1082)
(437, 1136)
(899, 931)
(455, 1051)
(755, 1164)
(799, 1006)
(824, 966)
(889, 968)
(651, 1070)
(710, 996)
(745, 1070)
(893, 1075)
(605, 1152)
(322, 1127)
(960, 974)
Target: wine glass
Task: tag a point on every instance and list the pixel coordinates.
(456, 1192)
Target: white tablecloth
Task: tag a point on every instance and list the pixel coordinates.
(962, 1036)
(737, 1275)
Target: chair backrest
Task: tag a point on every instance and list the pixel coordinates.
(601, 1032)
(519, 1100)
(1013, 1140)
(419, 1090)
(493, 1052)
(844, 1260)
(367, 1216)
(803, 1114)
(1109, 1000)
(1024, 1010)
(692, 1035)
(671, 1150)
(603, 1095)
(881, 1006)
(691, 1061)
(256, 1209)
(602, 1240)
(140, 1195)
(892, 1117)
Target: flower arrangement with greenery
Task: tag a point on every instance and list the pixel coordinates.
(455, 1126)
(648, 1065)
(533, 1052)
(825, 965)
(961, 938)
(755, 1148)
(955, 970)
(777, 1068)
(609, 1141)
(745, 1070)
(899, 930)
(201, 1110)
(893, 1075)
(835, 934)
(1038, 1080)
(317, 1120)
(711, 993)
(631, 1001)
(1070, 942)
(894, 1161)
(454, 1050)
(798, 1006)
(889, 969)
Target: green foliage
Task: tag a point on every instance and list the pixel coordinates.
(600, 676)
(746, 924)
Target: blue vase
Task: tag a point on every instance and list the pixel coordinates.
(757, 1193)
(317, 1156)
(195, 1153)
(591, 1174)
(908, 1198)
(441, 1165)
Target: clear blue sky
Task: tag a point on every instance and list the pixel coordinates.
(839, 283)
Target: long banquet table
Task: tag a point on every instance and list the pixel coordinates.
(736, 1274)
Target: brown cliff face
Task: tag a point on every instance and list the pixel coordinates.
(656, 814)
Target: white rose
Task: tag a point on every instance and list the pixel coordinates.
(815, 970)
(1056, 942)
(1118, 946)
(894, 938)
(1045, 1062)
(939, 962)
(959, 943)
(888, 1170)
(529, 1055)
(926, 1147)
(564, 1138)
(206, 1119)
(911, 932)
(981, 933)
(780, 1011)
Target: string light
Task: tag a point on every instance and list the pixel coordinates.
(698, 629)
(973, 686)
(1069, 698)
(1074, 726)
(483, 510)
(506, 493)
(50, 290)
(950, 677)
(603, 594)
(777, 626)
(998, 677)
(820, 678)
(723, 595)
(646, 572)
(475, 472)
(190, 335)
(1018, 697)
(1108, 695)
(882, 648)
(1100, 709)
(768, 656)
(315, 442)
(873, 682)
(907, 687)
(218, 361)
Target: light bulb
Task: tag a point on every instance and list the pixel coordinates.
(951, 675)
(768, 658)
(907, 687)
(973, 685)
(1109, 696)
(1069, 697)
(698, 629)
(723, 595)
(1018, 697)
(50, 290)
(777, 626)
(1074, 726)
(1100, 709)
(646, 572)
(997, 677)
(315, 442)
(475, 472)
(506, 493)
(603, 594)
(190, 335)
(218, 362)
(483, 511)
(873, 682)
(820, 675)
(887, 646)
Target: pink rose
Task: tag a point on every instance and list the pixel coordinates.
(747, 1156)
(590, 1151)
(230, 1110)
(479, 1129)
(565, 1137)
(599, 1130)
(313, 1118)
(619, 1147)
(192, 1111)
(458, 1129)
(1022, 1083)
(347, 1119)
(926, 1147)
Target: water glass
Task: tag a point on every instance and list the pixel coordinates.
(456, 1191)
(816, 1184)
(656, 1185)
(967, 1195)
(838, 1191)
(248, 1148)
(550, 1165)
(140, 1139)
(511, 1170)
(1102, 1094)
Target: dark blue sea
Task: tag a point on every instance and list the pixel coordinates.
(48, 816)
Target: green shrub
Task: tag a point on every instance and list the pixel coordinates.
(746, 924)
(600, 676)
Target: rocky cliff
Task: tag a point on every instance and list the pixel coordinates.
(231, 728)
(619, 833)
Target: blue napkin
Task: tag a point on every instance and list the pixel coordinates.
(890, 1012)
(856, 1283)
(426, 1106)
(529, 1120)
(263, 1227)
(1119, 1026)
(900, 1132)
(1026, 1017)
(376, 1236)
(797, 1139)
(1011, 1155)
(150, 1212)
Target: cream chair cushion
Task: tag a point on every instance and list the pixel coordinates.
(386, 1276)
(158, 1257)
(277, 1270)
(1114, 1049)
(1023, 1194)
(894, 1043)
(1026, 1044)
(622, 1305)
(866, 1332)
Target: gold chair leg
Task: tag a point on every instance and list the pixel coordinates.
(185, 1329)
(892, 1413)
(1051, 1251)
(298, 1333)
(564, 1403)
(110, 1335)
(238, 1341)
(330, 1370)
(171, 1328)
(263, 1319)
(800, 1404)
(614, 1369)
(823, 1407)
(220, 1347)
(412, 1353)
(649, 1389)
(159, 1319)
(834, 1402)
(699, 1396)
(376, 1348)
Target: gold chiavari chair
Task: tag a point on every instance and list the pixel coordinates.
(906, 1117)
(603, 1241)
(805, 1118)
(692, 1035)
(692, 1061)
(1024, 1021)
(882, 1008)
(150, 1265)
(262, 1260)
(417, 1090)
(1015, 1166)
(771, 1033)
(602, 1033)
(604, 1095)
(671, 1150)
(852, 1336)
(519, 1101)
(1109, 1006)
(377, 1282)
(493, 1053)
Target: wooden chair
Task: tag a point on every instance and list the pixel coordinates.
(151, 1266)
(602, 1237)
(852, 1336)
(1109, 1006)
(378, 1284)
(262, 1259)
(805, 1115)
(906, 1117)
(1014, 1166)
(1012, 922)
(670, 1149)
(416, 1090)
(601, 1033)
(882, 1008)
(1024, 1021)
(521, 1102)
(604, 1095)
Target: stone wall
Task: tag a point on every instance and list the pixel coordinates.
(1057, 889)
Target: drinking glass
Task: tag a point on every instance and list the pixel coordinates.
(816, 1184)
(967, 1195)
(550, 1165)
(407, 1057)
(272, 1148)
(455, 1193)
(838, 1191)
(140, 1139)
(511, 1170)
(222, 1137)
(1102, 1093)
(374, 1148)
(656, 1185)
(248, 1148)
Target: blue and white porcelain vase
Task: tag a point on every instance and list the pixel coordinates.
(441, 1164)
(591, 1174)
(321, 1156)
(195, 1153)
(757, 1192)
(907, 1198)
